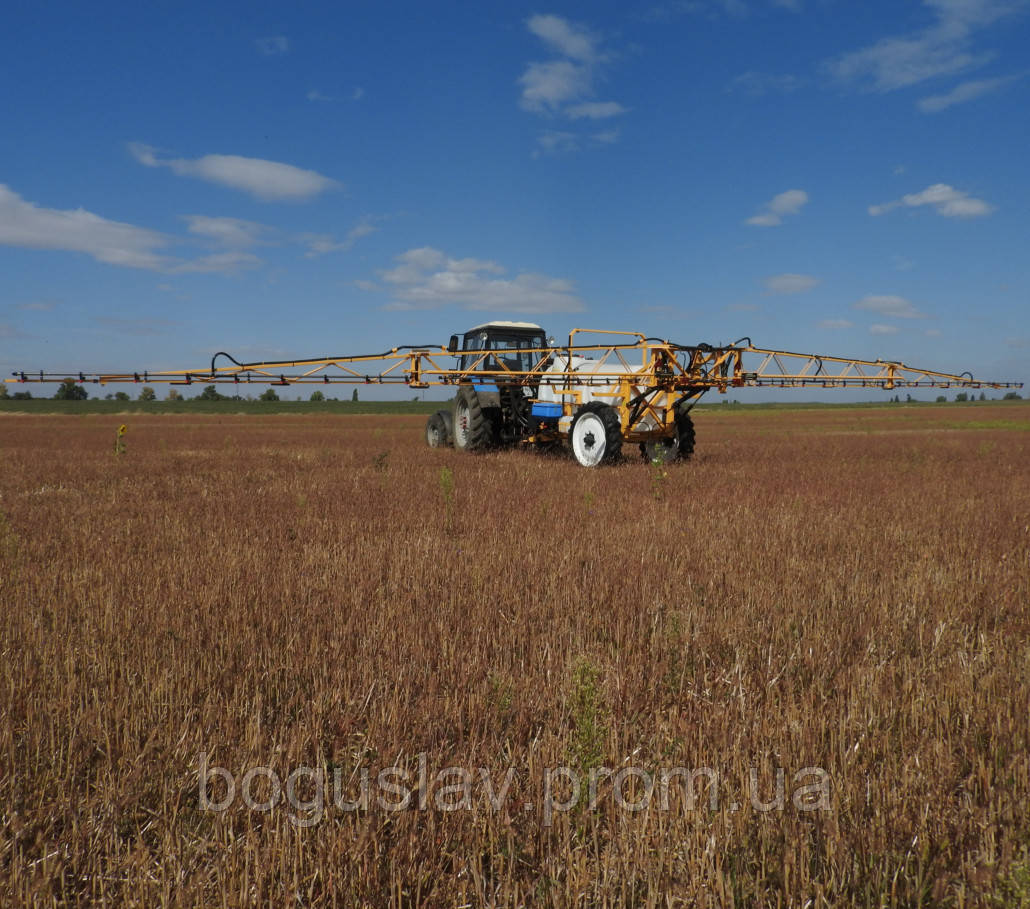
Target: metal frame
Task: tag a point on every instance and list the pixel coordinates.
(646, 379)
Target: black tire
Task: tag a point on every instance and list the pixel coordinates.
(472, 428)
(596, 435)
(678, 447)
(549, 449)
(685, 436)
(436, 430)
(448, 421)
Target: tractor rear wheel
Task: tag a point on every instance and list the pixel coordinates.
(596, 435)
(437, 435)
(473, 430)
(677, 447)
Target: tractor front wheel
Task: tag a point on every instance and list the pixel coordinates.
(596, 435)
(437, 430)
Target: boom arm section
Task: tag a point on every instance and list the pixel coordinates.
(645, 364)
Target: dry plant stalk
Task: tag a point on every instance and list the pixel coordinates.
(842, 589)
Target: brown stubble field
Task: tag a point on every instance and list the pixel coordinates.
(842, 589)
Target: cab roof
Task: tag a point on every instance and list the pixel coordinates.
(524, 326)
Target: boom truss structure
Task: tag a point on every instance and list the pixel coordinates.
(641, 365)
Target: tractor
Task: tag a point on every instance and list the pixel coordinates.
(514, 387)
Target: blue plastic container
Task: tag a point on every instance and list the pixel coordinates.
(546, 410)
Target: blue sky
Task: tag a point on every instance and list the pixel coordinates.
(292, 180)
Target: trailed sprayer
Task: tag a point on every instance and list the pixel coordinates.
(594, 394)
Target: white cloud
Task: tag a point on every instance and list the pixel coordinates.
(29, 226)
(945, 47)
(569, 40)
(946, 201)
(932, 332)
(319, 244)
(772, 213)
(316, 95)
(36, 306)
(265, 180)
(547, 86)
(880, 329)
(555, 141)
(789, 283)
(233, 232)
(595, 110)
(889, 305)
(789, 202)
(835, 323)
(426, 278)
(965, 91)
(565, 85)
(607, 136)
(357, 94)
(273, 46)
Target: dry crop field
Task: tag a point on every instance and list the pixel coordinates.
(305, 660)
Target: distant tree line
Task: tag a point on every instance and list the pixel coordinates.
(71, 390)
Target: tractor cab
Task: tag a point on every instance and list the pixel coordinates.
(510, 340)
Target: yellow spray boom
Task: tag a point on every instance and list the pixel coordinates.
(513, 386)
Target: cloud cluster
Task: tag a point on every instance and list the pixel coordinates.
(31, 226)
(565, 86)
(885, 306)
(426, 278)
(778, 207)
(945, 200)
(269, 181)
(944, 48)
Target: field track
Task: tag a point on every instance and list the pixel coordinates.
(842, 595)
